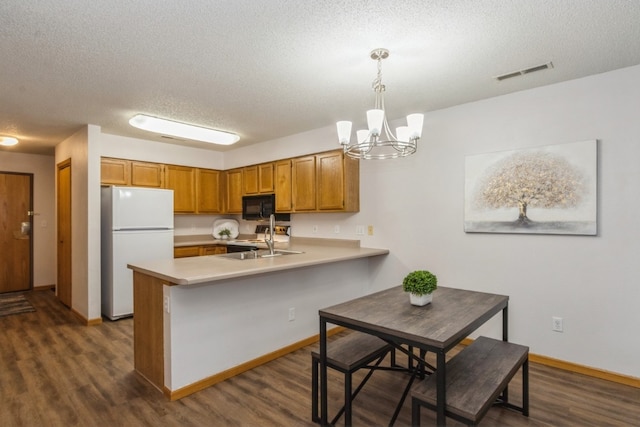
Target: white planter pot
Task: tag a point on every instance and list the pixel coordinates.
(420, 300)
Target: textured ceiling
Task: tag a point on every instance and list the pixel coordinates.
(271, 68)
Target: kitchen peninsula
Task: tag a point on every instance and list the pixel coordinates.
(201, 320)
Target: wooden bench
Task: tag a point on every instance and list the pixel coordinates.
(347, 354)
(475, 379)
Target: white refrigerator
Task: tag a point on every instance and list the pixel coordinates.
(136, 225)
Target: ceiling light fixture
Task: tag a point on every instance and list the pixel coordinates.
(183, 130)
(379, 143)
(8, 141)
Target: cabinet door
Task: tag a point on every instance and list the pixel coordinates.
(186, 251)
(182, 180)
(213, 250)
(304, 183)
(234, 191)
(145, 174)
(250, 180)
(115, 171)
(208, 191)
(265, 178)
(283, 186)
(330, 181)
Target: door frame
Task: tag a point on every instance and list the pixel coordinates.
(62, 165)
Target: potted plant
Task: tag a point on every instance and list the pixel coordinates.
(420, 284)
(224, 234)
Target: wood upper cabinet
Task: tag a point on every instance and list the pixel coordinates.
(208, 191)
(115, 171)
(144, 174)
(234, 190)
(130, 172)
(182, 180)
(283, 185)
(265, 178)
(337, 182)
(250, 180)
(257, 179)
(303, 183)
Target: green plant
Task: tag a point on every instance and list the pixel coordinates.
(420, 282)
(224, 232)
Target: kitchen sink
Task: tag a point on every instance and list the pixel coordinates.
(264, 253)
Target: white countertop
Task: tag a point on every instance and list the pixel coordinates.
(203, 269)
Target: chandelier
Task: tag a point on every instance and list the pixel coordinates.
(378, 142)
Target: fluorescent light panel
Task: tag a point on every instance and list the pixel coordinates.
(183, 130)
(8, 141)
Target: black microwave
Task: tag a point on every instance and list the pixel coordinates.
(259, 208)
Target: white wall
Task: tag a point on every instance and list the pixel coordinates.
(151, 151)
(44, 226)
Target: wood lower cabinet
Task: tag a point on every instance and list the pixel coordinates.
(186, 251)
(200, 250)
(213, 250)
(182, 180)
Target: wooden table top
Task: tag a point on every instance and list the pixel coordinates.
(450, 317)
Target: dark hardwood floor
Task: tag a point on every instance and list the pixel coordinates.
(56, 372)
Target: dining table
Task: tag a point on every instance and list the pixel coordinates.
(437, 327)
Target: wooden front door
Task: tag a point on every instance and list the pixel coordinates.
(16, 205)
(63, 288)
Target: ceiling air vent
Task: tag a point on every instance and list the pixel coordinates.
(525, 71)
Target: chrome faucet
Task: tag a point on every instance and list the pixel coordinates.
(269, 241)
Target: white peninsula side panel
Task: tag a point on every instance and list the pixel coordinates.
(211, 328)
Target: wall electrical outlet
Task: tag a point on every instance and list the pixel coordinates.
(370, 230)
(167, 304)
(292, 314)
(556, 324)
(336, 229)
(360, 230)
(314, 229)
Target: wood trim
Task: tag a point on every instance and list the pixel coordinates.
(217, 378)
(578, 369)
(84, 320)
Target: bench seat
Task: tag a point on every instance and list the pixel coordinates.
(347, 354)
(475, 378)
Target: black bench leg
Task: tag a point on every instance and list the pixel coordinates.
(347, 399)
(314, 391)
(525, 388)
(415, 412)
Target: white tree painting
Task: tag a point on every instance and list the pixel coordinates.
(545, 190)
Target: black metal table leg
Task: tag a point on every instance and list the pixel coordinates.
(324, 407)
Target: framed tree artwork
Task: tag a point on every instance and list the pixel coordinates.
(543, 190)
